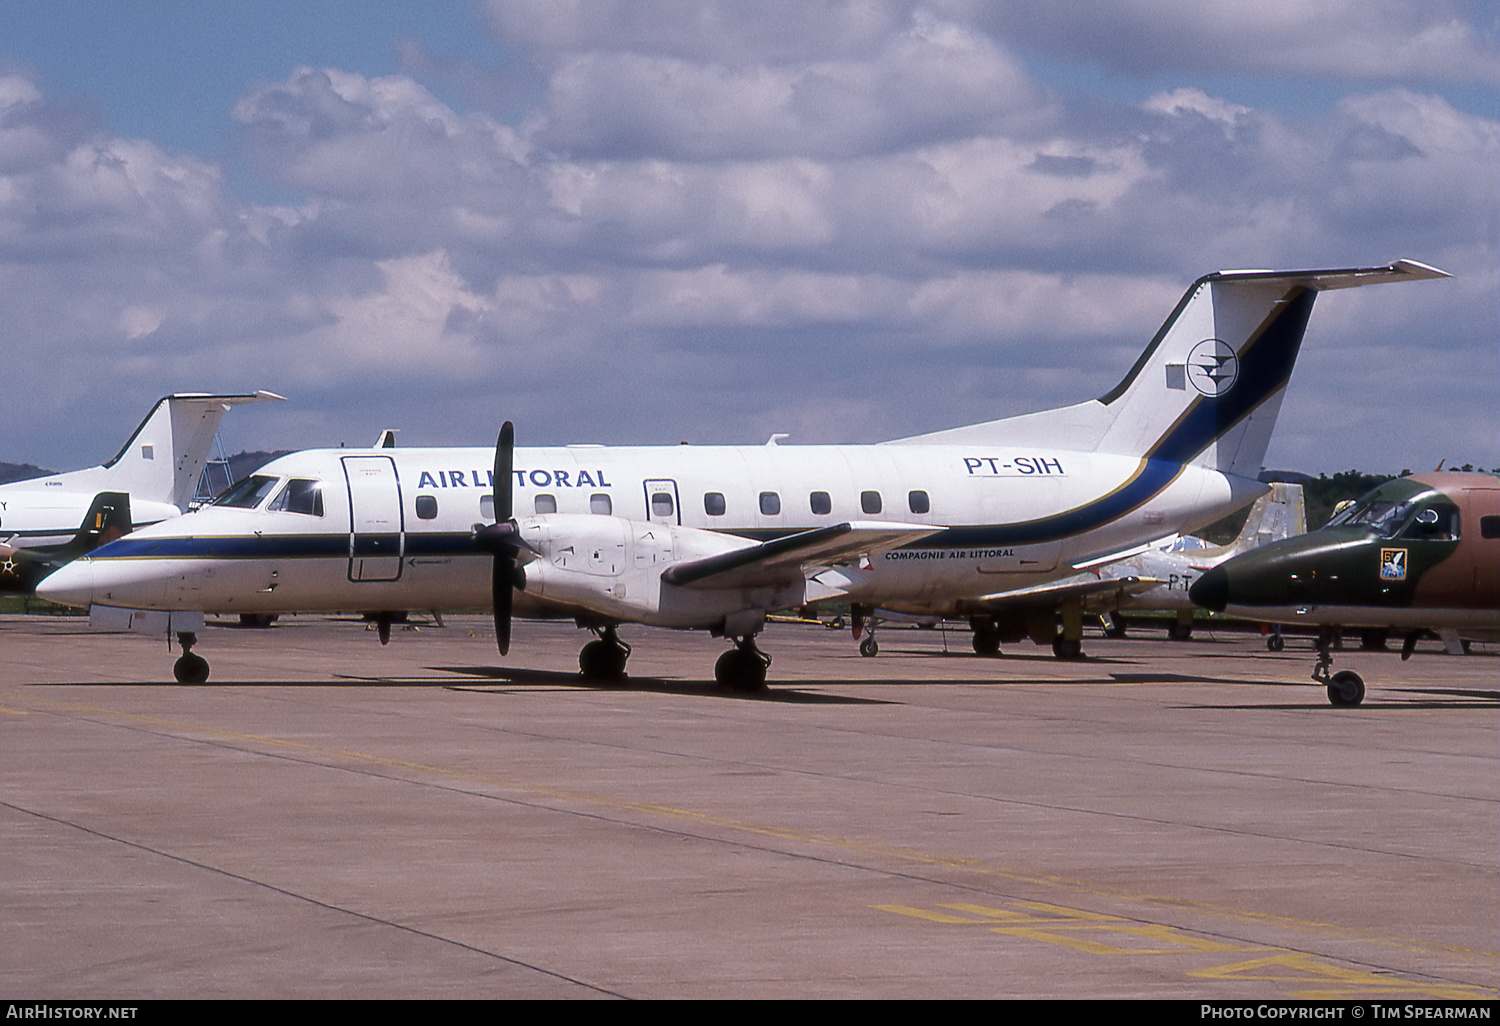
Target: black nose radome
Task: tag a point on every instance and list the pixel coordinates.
(1211, 591)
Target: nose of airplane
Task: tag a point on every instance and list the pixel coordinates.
(69, 585)
(1211, 590)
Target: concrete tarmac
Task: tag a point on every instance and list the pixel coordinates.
(330, 818)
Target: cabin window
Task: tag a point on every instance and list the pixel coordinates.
(545, 503)
(601, 503)
(1433, 522)
(869, 502)
(661, 504)
(299, 496)
(1489, 527)
(248, 493)
(770, 503)
(918, 502)
(821, 503)
(713, 503)
(487, 507)
(427, 507)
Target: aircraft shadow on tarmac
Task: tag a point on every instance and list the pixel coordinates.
(779, 692)
(1038, 656)
(1454, 698)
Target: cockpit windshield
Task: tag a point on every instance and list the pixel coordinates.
(246, 494)
(1382, 516)
(1425, 516)
(299, 496)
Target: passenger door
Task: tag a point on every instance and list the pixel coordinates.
(377, 537)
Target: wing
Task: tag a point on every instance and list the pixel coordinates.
(782, 560)
(1080, 587)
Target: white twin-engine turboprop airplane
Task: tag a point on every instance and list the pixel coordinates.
(714, 537)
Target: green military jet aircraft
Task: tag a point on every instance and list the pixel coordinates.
(1417, 554)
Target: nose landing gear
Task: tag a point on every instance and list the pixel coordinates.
(1345, 688)
(189, 668)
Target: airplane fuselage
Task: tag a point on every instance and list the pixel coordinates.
(396, 528)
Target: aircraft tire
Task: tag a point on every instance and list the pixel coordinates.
(1346, 689)
(1180, 632)
(741, 670)
(986, 643)
(1065, 648)
(599, 660)
(1275, 643)
(190, 669)
(868, 647)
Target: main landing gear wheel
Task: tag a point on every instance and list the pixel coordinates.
(986, 640)
(1275, 643)
(868, 647)
(742, 668)
(604, 659)
(189, 668)
(1067, 648)
(1346, 688)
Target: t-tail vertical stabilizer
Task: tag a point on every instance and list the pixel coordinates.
(165, 456)
(1207, 388)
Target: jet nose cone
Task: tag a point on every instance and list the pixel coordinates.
(69, 585)
(1211, 591)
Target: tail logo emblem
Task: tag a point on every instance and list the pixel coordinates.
(1212, 367)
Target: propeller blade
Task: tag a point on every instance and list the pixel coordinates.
(503, 573)
(505, 451)
(501, 538)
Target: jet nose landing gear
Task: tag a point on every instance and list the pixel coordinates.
(189, 668)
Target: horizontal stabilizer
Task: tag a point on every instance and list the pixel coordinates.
(1339, 278)
(782, 559)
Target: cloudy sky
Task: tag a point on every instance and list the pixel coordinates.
(649, 221)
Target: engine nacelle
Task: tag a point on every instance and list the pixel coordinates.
(612, 567)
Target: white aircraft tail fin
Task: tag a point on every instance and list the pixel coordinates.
(165, 456)
(1207, 388)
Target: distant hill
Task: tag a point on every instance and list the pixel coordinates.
(22, 472)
